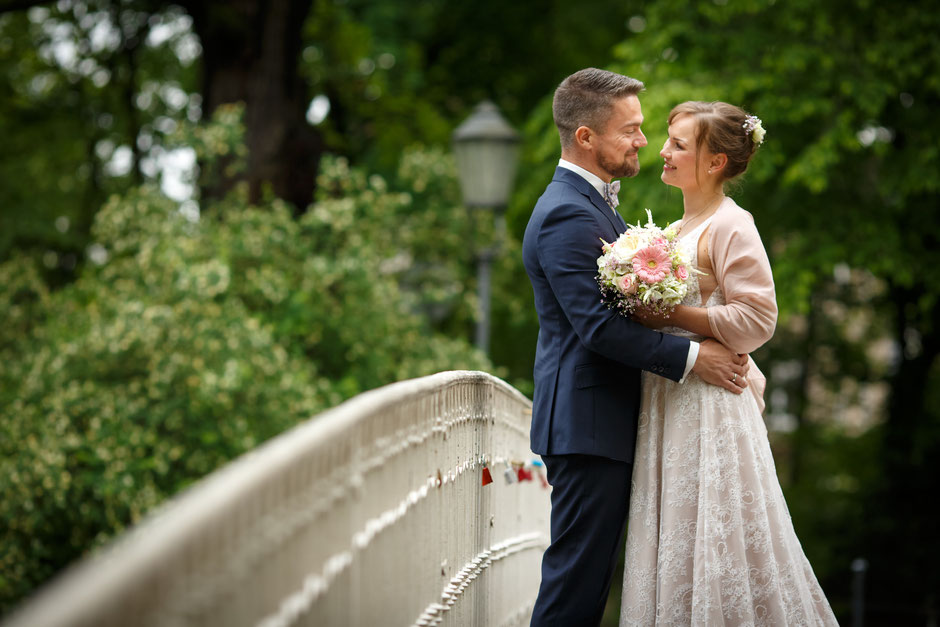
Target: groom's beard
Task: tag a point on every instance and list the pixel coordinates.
(629, 167)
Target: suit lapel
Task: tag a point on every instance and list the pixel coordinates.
(613, 218)
(621, 221)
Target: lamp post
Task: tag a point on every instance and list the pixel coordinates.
(859, 568)
(486, 148)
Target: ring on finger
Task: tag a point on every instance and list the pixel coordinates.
(734, 378)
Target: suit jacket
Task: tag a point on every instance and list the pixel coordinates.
(589, 358)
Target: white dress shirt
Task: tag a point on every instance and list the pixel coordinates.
(595, 181)
(598, 184)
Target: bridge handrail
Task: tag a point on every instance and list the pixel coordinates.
(371, 510)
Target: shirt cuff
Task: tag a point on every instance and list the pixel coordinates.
(690, 360)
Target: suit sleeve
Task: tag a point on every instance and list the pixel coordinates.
(569, 243)
(749, 315)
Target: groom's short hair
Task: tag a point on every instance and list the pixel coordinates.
(584, 99)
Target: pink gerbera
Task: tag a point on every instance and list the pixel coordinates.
(651, 264)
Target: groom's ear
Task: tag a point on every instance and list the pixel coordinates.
(582, 137)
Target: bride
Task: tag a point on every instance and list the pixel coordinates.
(710, 541)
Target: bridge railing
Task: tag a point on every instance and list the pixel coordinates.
(372, 513)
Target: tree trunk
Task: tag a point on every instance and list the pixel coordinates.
(126, 79)
(251, 50)
(907, 412)
(909, 451)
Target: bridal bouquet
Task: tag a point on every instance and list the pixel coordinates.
(645, 267)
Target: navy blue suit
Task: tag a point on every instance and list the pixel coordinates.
(587, 393)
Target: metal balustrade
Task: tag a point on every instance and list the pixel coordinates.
(372, 513)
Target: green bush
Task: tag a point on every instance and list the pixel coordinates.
(195, 340)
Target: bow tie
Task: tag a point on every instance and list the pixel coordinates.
(610, 193)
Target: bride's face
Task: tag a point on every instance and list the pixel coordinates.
(683, 168)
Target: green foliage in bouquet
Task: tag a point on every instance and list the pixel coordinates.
(185, 342)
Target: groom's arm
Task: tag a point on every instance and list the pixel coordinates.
(569, 243)
(718, 364)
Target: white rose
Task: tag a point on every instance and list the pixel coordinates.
(759, 133)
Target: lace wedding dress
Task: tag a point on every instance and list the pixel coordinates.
(710, 541)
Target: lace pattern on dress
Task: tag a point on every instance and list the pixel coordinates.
(710, 540)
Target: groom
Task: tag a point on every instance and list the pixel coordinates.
(588, 361)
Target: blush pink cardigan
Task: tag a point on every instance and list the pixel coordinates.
(748, 318)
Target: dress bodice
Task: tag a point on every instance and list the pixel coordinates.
(693, 298)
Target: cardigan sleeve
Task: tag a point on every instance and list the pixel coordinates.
(749, 315)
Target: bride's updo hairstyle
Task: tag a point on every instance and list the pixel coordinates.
(720, 127)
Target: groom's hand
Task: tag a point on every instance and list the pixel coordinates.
(717, 365)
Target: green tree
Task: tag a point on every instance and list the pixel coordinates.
(97, 85)
(189, 340)
(398, 73)
(92, 90)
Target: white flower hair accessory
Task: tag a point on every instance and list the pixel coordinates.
(752, 124)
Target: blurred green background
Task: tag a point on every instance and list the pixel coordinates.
(220, 218)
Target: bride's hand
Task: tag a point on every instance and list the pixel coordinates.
(649, 318)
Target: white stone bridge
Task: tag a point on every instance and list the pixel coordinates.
(372, 513)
